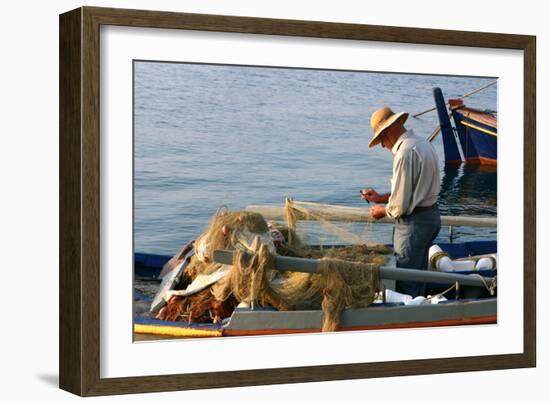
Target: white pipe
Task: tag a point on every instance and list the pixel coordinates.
(487, 263)
(440, 261)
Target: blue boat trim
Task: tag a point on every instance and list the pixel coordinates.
(149, 265)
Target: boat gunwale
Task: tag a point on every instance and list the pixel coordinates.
(483, 308)
(477, 116)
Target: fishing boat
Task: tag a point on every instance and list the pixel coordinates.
(475, 129)
(471, 302)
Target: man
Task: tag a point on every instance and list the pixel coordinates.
(415, 188)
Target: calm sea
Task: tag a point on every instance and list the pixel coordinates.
(210, 136)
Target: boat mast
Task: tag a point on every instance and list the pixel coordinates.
(452, 155)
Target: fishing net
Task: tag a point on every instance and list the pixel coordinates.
(347, 277)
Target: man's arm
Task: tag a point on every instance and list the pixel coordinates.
(371, 195)
(402, 186)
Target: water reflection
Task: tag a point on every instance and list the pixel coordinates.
(468, 190)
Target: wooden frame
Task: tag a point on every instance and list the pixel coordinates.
(80, 184)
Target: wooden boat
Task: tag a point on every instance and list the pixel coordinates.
(476, 131)
(261, 321)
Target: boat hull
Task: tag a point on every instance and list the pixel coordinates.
(248, 322)
(478, 140)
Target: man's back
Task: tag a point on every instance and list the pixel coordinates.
(416, 179)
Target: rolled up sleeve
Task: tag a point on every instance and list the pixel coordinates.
(401, 186)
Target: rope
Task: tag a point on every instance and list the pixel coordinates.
(490, 287)
(462, 97)
(435, 257)
(442, 293)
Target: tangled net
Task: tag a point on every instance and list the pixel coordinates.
(347, 277)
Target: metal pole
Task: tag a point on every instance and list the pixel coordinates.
(286, 263)
(463, 96)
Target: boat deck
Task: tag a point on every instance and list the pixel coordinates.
(244, 322)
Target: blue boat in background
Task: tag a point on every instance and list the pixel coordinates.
(476, 131)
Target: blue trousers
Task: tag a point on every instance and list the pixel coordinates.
(413, 236)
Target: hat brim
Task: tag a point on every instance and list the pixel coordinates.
(398, 117)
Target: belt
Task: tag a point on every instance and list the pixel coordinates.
(419, 209)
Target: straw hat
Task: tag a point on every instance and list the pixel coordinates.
(381, 120)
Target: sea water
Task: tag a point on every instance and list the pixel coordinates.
(207, 136)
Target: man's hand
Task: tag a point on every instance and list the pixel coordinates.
(378, 211)
(370, 195)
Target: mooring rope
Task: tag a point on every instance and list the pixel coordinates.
(441, 294)
(490, 287)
